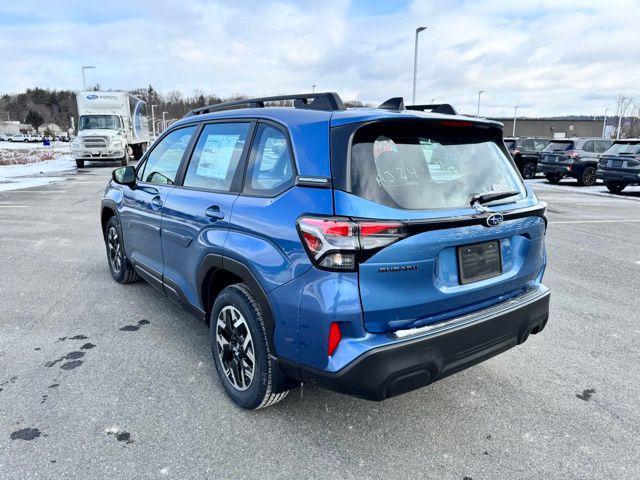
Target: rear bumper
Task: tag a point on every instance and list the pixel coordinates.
(618, 176)
(555, 169)
(418, 357)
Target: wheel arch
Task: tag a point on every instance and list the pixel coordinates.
(107, 210)
(216, 273)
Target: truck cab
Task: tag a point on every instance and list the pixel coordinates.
(112, 126)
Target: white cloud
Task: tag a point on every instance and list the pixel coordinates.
(549, 57)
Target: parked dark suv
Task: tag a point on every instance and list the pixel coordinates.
(526, 153)
(620, 165)
(371, 251)
(573, 157)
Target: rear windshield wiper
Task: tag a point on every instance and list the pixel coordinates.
(490, 197)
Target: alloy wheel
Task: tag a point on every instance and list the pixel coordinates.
(235, 347)
(115, 249)
(589, 176)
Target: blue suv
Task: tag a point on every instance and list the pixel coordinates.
(371, 251)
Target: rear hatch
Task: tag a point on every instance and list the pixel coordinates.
(624, 156)
(446, 258)
(557, 151)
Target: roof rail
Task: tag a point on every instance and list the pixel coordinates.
(435, 108)
(329, 101)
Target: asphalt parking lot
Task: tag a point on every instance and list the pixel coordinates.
(105, 380)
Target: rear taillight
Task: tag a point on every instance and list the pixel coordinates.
(573, 154)
(515, 152)
(336, 243)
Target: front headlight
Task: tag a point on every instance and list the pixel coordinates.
(75, 144)
(117, 144)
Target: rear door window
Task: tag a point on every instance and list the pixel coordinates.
(588, 146)
(428, 166)
(601, 145)
(540, 144)
(215, 159)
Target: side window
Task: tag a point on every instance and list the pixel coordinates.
(588, 146)
(214, 162)
(271, 169)
(164, 160)
(602, 146)
(527, 145)
(540, 144)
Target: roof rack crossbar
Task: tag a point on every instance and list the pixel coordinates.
(444, 108)
(329, 101)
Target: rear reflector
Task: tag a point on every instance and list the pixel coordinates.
(334, 338)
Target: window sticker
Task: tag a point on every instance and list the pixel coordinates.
(216, 156)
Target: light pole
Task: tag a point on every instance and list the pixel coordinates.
(84, 80)
(415, 63)
(604, 123)
(153, 121)
(515, 111)
(313, 88)
(480, 92)
(164, 121)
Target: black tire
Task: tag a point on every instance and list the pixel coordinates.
(138, 151)
(529, 170)
(588, 177)
(79, 163)
(121, 269)
(615, 187)
(553, 178)
(123, 160)
(259, 392)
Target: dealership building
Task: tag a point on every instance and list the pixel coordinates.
(552, 127)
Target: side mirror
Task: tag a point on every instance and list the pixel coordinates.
(124, 176)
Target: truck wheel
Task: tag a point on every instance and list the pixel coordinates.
(121, 270)
(80, 163)
(137, 151)
(615, 187)
(241, 351)
(553, 178)
(588, 177)
(123, 161)
(529, 170)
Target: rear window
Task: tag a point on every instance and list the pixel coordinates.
(425, 166)
(558, 146)
(511, 144)
(623, 148)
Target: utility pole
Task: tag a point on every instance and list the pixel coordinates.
(164, 121)
(313, 88)
(415, 63)
(515, 111)
(480, 92)
(604, 123)
(153, 121)
(84, 80)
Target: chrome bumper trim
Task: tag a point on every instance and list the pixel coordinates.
(479, 316)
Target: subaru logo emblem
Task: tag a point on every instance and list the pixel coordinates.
(92, 97)
(494, 220)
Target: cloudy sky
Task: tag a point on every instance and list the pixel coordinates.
(550, 57)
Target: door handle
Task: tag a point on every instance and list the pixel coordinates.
(156, 202)
(213, 213)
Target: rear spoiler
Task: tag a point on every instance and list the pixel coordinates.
(444, 108)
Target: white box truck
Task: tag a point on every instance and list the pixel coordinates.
(111, 126)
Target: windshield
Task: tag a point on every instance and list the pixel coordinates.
(622, 148)
(558, 146)
(428, 167)
(109, 122)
